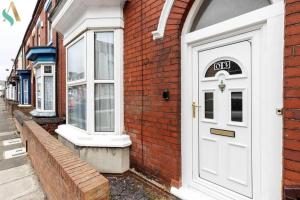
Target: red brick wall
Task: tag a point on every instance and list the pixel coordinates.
(292, 94)
(150, 67)
(62, 174)
(61, 76)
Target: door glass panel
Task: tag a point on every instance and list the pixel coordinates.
(209, 105)
(223, 65)
(237, 106)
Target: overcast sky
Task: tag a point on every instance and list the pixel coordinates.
(11, 36)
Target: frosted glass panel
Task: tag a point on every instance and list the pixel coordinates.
(215, 11)
(104, 107)
(48, 92)
(104, 56)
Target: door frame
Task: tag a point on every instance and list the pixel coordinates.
(267, 27)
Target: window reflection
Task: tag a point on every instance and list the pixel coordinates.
(237, 106)
(209, 105)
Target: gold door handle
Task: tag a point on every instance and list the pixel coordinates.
(194, 106)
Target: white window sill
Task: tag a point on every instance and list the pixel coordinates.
(38, 113)
(83, 139)
(24, 105)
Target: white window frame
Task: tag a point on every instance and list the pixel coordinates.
(80, 82)
(89, 39)
(49, 30)
(42, 76)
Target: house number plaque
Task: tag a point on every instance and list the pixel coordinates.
(222, 132)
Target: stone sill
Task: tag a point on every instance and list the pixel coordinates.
(81, 138)
(37, 113)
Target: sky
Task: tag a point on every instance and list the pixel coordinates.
(11, 35)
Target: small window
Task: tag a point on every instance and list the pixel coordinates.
(223, 65)
(209, 105)
(237, 106)
(214, 11)
(47, 69)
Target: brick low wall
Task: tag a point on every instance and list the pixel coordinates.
(62, 174)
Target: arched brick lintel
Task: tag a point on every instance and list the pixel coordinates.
(173, 16)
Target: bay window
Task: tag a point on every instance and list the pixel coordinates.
(45, 86)
(94, 93)
(93, 37)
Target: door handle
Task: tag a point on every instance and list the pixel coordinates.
(194, 106)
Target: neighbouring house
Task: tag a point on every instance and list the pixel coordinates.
(40, 70)
(199, 96)
(2, 89)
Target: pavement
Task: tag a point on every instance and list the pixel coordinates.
(17, 177)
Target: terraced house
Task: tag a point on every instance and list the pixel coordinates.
(200, 96)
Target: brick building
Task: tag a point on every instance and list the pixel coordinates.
(199, 96)
(37, 90)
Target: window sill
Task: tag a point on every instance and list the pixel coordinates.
(38, 113)
(83, 139)
(24, 105)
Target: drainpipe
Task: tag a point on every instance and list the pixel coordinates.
(142, 111)
(56, 74)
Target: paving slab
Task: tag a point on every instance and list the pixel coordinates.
(15, 173)
(18, 188)
(17, 177)
(13, 162)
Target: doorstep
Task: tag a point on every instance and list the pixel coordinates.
(107, 153)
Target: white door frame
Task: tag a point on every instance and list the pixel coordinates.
(267, 96)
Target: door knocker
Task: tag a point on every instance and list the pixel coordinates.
(222, 86)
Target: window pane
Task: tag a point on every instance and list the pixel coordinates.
(26, 92)
(76, 65)
(104, 107)
(47, 69)
(209, 105)
(39, 92)
(77, 106)
(237, 106)
(215, 11)
(48, 92)
(104, 56)
(38, 72)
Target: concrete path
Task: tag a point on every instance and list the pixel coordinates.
(17, 178)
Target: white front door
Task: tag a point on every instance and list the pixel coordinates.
(224, 116)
